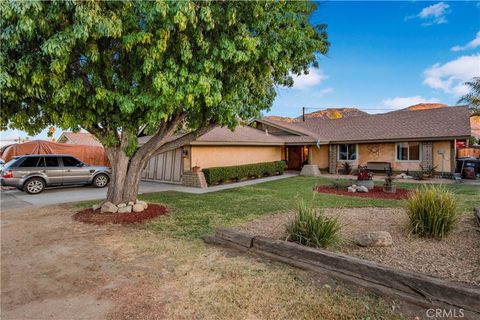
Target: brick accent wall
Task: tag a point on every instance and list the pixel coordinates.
(194, 179)
(427, 154)
(332, 158)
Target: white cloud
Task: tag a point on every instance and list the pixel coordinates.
(313, 78)
(451, 76)
(403, 102)
(434, 14)
(322, 92)
(471, 45)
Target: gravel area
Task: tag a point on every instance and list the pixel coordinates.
(456, 258)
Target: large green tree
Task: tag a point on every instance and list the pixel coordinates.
(120, 69)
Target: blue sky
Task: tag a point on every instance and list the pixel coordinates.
(388, 55)
(385, 55)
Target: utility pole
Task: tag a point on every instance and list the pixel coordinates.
(303, 114)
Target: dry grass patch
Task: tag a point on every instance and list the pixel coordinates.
(211, 283)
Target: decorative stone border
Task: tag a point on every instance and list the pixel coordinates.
(412, 287)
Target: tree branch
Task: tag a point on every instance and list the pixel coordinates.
(185, 139)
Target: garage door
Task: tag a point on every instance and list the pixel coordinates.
(165, 167)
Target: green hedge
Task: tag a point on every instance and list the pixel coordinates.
(257, 170)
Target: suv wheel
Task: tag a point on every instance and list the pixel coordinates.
(100, 180)
(34, 185)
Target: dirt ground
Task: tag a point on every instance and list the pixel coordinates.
(456, 258)
(53, 267)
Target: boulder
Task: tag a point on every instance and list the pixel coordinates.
(126, 209)
(108, 207)
(407, 177)
(352, 189)
(138, 207)
(131, 203)
(362, 189)
(310, 170)
(374, 239)
(399, 176)
(143, 203)
(121, 205)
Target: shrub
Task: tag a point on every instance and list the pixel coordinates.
(364, 174)
(341, 184)
(432, 211)
(347, 167)
(313, 229)
(257, 170)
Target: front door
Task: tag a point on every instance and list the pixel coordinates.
(294, 158)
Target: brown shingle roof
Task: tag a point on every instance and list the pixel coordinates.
(241, 135)
(448, 122)
(83, 138)
(397, 125)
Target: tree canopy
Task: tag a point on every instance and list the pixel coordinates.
(121, 69)
(121, 65)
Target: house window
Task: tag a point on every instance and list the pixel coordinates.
(347, 152)
(408, 151)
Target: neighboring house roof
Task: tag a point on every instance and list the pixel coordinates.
(83, 138)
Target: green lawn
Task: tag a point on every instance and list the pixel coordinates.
(195, 215)
(226, 282)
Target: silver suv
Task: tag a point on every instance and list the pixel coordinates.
(32, 173)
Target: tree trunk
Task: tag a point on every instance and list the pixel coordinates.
(125, 178)
(127, 170)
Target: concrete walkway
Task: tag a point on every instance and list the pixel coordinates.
(12, 199)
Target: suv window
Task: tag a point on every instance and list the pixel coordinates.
(51, 162)
(70, 162)
(29, 162)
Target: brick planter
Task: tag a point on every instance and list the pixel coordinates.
(194, 179)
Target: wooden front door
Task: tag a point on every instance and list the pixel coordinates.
(294, 158)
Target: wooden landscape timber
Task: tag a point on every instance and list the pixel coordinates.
(411, 287)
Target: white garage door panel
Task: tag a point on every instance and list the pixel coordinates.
(165, 167)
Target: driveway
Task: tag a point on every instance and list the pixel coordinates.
(15, 199)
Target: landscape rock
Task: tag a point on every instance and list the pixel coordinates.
(126, 209)
(96, 206)
(108, 207)
(310, 170)
(131, 203)
(408, 177)
(362, 189)
(352, 189)
(399, 176)
(121, 205)
(138, 207)
(374, 239)
(143, 203)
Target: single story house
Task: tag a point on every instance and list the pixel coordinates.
(403, 139)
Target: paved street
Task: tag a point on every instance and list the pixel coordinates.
(14, 199)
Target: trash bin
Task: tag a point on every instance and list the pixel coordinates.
(468, 167)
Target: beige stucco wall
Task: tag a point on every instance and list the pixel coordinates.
(447, 146)
(320, 156)
(367, 152)
(223, 156)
